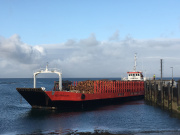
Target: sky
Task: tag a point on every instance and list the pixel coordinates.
(89, 38)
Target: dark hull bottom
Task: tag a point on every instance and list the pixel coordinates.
(39, 99)
(75, 105)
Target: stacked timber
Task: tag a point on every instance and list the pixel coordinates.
(90, 87)
(83, 86)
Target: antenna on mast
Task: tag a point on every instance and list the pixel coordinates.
(135, 62)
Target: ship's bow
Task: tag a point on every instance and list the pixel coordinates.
(36, 97)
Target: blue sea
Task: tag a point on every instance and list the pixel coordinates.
(133, 117)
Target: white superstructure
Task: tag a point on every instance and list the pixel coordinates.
(135, 75)
(46, 70)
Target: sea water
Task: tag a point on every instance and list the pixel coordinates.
(133, 117)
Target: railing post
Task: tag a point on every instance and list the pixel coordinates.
(123, 87)
(178, 88)
(34, 80)
(60, 81)
(168, 95)
(94, 86)
(149, 90)
(162, 95)
(145, 90)
(112, 86)
(116, 86)
(100, 86)
(120, 88)
(171, 97)
(155, 92)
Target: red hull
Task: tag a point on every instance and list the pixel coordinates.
(102, 90)
(71, 96)
(36, 97)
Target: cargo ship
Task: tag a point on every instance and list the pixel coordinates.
(81, 94)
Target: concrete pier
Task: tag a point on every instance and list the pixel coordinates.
(163, 94)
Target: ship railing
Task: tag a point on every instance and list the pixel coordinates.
(118, 86)
(110, 86)
(55, 88)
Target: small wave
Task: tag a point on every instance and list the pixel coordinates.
(148, 132)
(170, 131)
(45, 132)
(19, 106)
(8, 82)
(107, 132)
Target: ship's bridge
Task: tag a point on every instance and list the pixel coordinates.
(135, 75)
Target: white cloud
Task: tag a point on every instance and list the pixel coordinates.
(14, 49)
(113, 58)
(90, 41)
(90, 57)
(17, 56)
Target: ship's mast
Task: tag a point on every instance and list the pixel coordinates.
(135, 62)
